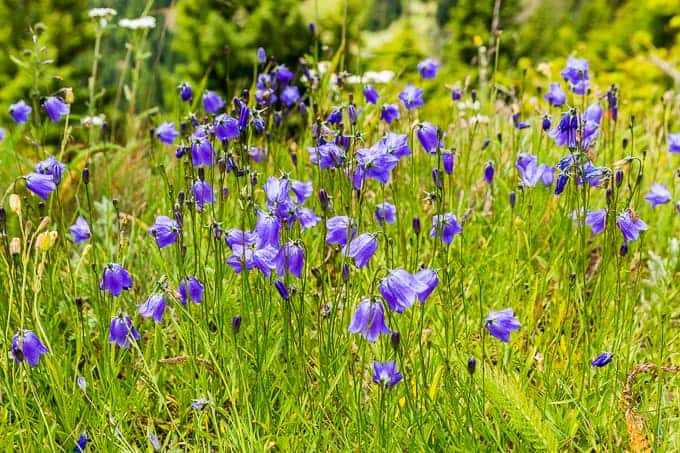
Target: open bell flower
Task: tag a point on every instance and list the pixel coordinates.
(501, 323)
(26, 346)
(369, 320)
(165, 230)
(386, 374)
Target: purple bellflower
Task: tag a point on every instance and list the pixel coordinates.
(370, 94)
(446, 227)
(428, 68)
(26, 346)
(212, 102)
(190, 288)
(385, 213)
(386, 374)
(658, 194)
(401, 289)
(80, 230)
(555, 96)
(55, 108)
(121, 330)
(362, 248)
(165, 230)
(153, 307)
(166, 133)
(20, 112)
(115, 278)
(412, 97)
(630, 225)
(369, 320)
(602, 360)
(501, 323)
(390, 112)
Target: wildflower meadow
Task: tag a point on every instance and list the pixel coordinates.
(331, 251)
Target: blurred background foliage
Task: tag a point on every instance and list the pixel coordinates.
(211, 43)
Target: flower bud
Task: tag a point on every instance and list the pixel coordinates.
(236, 324)
(15, 204)
(416, 225)
(471, 365)
(513, 199)
(15, 246)
(395, 340)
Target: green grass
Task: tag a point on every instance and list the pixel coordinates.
(292, 378)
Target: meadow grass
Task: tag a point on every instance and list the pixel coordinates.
(289, 376)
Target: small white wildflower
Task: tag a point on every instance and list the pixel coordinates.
(97, 13)
(378, 77)
(141, 23)
(93, 121)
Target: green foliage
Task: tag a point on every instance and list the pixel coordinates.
(218, 39)
(61, 27)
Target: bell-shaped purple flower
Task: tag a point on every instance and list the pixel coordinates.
(261, 55)
(340, 230)
(203, 193)
(429, 280)
(501, 323)
(389, 113)
(166, 133)
(51, 166)
(190, 288)
(26, 346)
(386, 374)
(449, 160)
(165, 230)
(555, 96)
(565, 131)
(385, 213)
(121, 331)
(373, 163)
(115, 278)
(519, 124)
(55, 108)
(489, 171)
(369, 320)
(335, 117)
(185, 92)
(446, 227)
(301, 189)
(630, 225)
(41, 185)
(412, 97)
(395, 144)
(370, 94)
(427, 135)
(212, 102)
(81, 443)
(674, 143)
(562, 180)
(658, 194)
(202, 152)
(428, 68)
(362, 248)
(20, 112)
(602, 360)
(290, 95)
(226, 127)
(80, 230)
(153, 307)
(328, 155)
(282, 289)
(283, 75)
(291, 259)
(400, 289)
(576, 73)
(597, 220)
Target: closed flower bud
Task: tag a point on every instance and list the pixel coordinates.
(323, 199)
(395, 340)
(282, 289)
(68, 95)
(345, 272)
(619, 178)
(15, 246)
(86, 175)
(623, 251)
(15, 204)
(416, 225)
(236, 324)
(513, 199)
(471, 365)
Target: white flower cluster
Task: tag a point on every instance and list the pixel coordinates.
(103, 14)
(141, 23)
